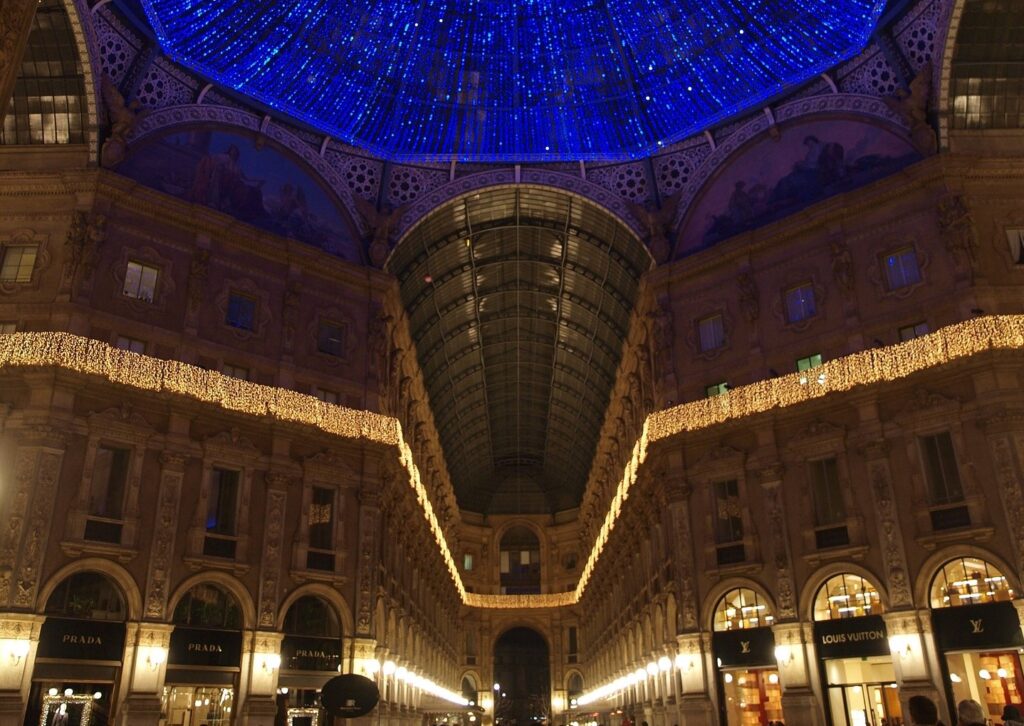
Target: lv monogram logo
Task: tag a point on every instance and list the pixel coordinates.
(744, 646)
(977, 626)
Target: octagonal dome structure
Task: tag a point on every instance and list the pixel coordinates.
(511, 80)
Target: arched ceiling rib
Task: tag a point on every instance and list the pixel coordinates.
(519, 301)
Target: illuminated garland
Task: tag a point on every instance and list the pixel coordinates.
(91, 357)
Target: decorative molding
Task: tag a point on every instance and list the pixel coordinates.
(270, 575)
(165, 528)
(893, 555)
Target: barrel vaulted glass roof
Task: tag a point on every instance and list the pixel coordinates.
(511, 80)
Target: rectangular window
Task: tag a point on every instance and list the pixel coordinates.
(716, 389)
(727, 512)
(901, 268)
(1015, 238)
(18, 263)
(808, 362)
(940, 469)
(504, 562)
(222, 505)
(800, 303)
(909, 332)
(330, 338)
(132, 344)
(109, 479)
(826, 493)
(238, 372)
(327, 396)
(241, 312)
(711, 333)
(573, 645)
(467, 562)
(321, 519)
(140, 281)
(8, 328)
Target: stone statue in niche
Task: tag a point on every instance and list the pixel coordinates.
(842, 265)
(123, 118)
(658, 222)
(380, 222)
(86, 234)
(957, 229)
(912, 107)
(749, 302)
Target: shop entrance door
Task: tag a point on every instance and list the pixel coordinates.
(865, 704)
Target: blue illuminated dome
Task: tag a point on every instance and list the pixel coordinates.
(511, 80)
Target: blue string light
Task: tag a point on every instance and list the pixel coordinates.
(511, 80)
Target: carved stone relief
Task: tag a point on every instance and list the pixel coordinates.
(165, 527)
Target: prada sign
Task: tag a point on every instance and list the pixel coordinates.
(71, 639)
(851, 637)
(201, 647)
(744, 648)
(300, 653)
(975, 627)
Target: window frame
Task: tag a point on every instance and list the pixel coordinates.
(136, 294)
(233, 295)
(717, 331)
(901, 253)
(324, 322)
(805, 314)
(5, 251)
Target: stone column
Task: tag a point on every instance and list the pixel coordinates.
(694, 705)
(19, 640)
(1008, 478)
(15, 26)
(28, 511)
(144, 674)
(800, 705)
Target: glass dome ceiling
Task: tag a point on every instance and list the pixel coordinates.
(511, 80)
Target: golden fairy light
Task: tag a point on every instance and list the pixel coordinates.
(95, 358)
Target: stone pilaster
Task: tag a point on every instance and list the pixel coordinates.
(164, 529)
(19, 640)
(890, 536)
(778, 540)
(145, 671)
(677, 516)
(29, 515)
(366, 577)
(800, 705)
(270, 565)
(15, 26)
(1011, 492)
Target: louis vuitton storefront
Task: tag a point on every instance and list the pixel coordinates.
(743, 647)
(978, 634)
(81, 646)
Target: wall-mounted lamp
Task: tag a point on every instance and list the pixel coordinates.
(901, 645)
(16, 650)
(155, 658)
(270, 662)
(664, 663)
(784, 654)
(388, 668)
(652, 668)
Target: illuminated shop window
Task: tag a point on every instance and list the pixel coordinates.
(740, 609)
(48, 105)
(846, 596)
(969, 581)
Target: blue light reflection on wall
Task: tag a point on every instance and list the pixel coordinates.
(511, 80)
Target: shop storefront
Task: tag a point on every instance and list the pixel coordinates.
(978, 635)
(743, 646)
(854, 660)
(81, 646)
(203, 660)
(310, 656)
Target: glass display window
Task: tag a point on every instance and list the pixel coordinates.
(846, 596)
(752, 697)
(740, 609)
(993, 679)
(969, 581)
(863, 692)
(196, 706)
(71, 704)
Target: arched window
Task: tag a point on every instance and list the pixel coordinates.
(846, 596)
(468, 689)
(988, 80)
(208, 606)
(740, 609)
(575, 685)
(312, 616)
(48, 105)
(969, 581)
(520, 562)
(87, 595)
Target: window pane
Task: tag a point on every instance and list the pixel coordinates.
(18, 263)
(241, 312)
(826, 493)
(711, 333)
(321, 519)
(940, 469)
(800, 303)
(901, 268)
(728, 519)
(110, 474)
(331, 339)
(221, 507)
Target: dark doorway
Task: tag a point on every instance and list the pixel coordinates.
(522, 676)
